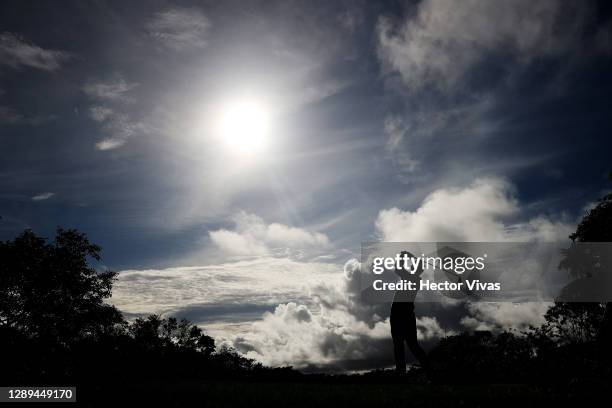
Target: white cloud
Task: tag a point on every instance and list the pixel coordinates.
(474, 213)
(263, 281)
(109, 144)
(478, 212)
(180, 28)
(504, 316)
(16, 52)
(316, 316)
(252, 236)
(293, 335)
(43, 196)
(333, 329)
(444, 39)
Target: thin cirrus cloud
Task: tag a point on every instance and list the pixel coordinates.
(100, 113)
(180, 28)
(110, 96)
(42, 196)
(115, 89)
(16, 52)
(10, 116)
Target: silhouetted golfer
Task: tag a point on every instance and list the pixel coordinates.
(403, 321)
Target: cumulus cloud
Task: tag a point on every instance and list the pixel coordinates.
(332, 337)
(444, 40)
(180, 28)
(474, 213)
(16, 52)
(505, 316)
(333, 330)
(252, 236)
(478, 212)
(312, 311)
(314, 316)
(293, 335)
(42, 196)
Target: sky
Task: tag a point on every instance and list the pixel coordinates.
(231, 157)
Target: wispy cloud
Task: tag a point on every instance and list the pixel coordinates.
(10, 116)
(100, 113)
(115, 89)
(111, 114)
(444, 40)
(16, 52)
(43, 196)
(180, 28)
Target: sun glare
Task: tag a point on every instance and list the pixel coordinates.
(244, 126)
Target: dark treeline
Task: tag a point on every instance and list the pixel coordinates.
(56, 326)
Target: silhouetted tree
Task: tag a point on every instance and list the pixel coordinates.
(55, 323)
(157, 333)
(482, 357)
(48, 291)
(573, 323)
(590, 319)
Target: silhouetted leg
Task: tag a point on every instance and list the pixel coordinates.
(399, 354)
(417, 351)
(413, 343)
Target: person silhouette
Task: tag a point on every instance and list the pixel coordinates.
(403, 319)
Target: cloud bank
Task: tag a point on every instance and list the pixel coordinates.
(474, 213)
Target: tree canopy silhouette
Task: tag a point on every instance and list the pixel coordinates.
(55, 322)
(48, 291)
(586, 321)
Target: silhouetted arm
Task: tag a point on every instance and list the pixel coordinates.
(405, 273)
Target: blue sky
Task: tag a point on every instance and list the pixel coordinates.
(424, 120)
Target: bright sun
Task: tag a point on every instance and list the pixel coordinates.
(244, 126)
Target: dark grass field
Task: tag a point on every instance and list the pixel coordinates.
(336, 393)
